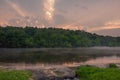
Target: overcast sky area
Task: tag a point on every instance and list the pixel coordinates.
(99, 16)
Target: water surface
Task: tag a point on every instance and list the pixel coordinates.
(50, 57)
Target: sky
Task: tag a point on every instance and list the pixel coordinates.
(95, 16)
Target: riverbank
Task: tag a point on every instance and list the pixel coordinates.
(67, 73)
(72, 73)
(48, 72)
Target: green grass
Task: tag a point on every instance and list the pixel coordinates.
(15, 75)
(95, 73)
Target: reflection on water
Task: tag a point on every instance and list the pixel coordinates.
(49, 58)
(102, 61)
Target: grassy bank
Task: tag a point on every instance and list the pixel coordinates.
(15, 75)
(95, 73)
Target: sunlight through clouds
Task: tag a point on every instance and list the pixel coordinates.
(49, 9)
(109, 25)
(16, 8)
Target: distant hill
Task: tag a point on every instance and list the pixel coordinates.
(113, 32)
(29, 37)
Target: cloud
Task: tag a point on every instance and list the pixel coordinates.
(109, 25)
(89, 15)
(59, 19)
(26, 21)
(73, 26)
(32, 7)
(49, 9)
(16, 8)
(102, 28)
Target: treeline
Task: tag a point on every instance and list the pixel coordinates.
(18, 37)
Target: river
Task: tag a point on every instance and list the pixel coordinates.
(57, 62)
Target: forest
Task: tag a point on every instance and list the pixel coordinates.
(33, 37)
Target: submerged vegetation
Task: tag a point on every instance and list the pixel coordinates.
(16, 37)
(15, 75)
(95, 73)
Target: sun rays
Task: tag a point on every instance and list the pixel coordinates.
(49, 9)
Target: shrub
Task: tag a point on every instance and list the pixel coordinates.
(112, 65)
(94, 73)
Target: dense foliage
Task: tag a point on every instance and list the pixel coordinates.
(15, 37)
(15, 75)
(94, 73)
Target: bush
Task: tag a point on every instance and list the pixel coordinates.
(94, 73)
(107, 74)
(86, 71)
(112, 65)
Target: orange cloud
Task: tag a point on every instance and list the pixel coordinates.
(3, 23)
(102, 28)
(114, 23)
(108, 25)
(71, 26)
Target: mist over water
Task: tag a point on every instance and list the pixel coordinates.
(61, 56)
